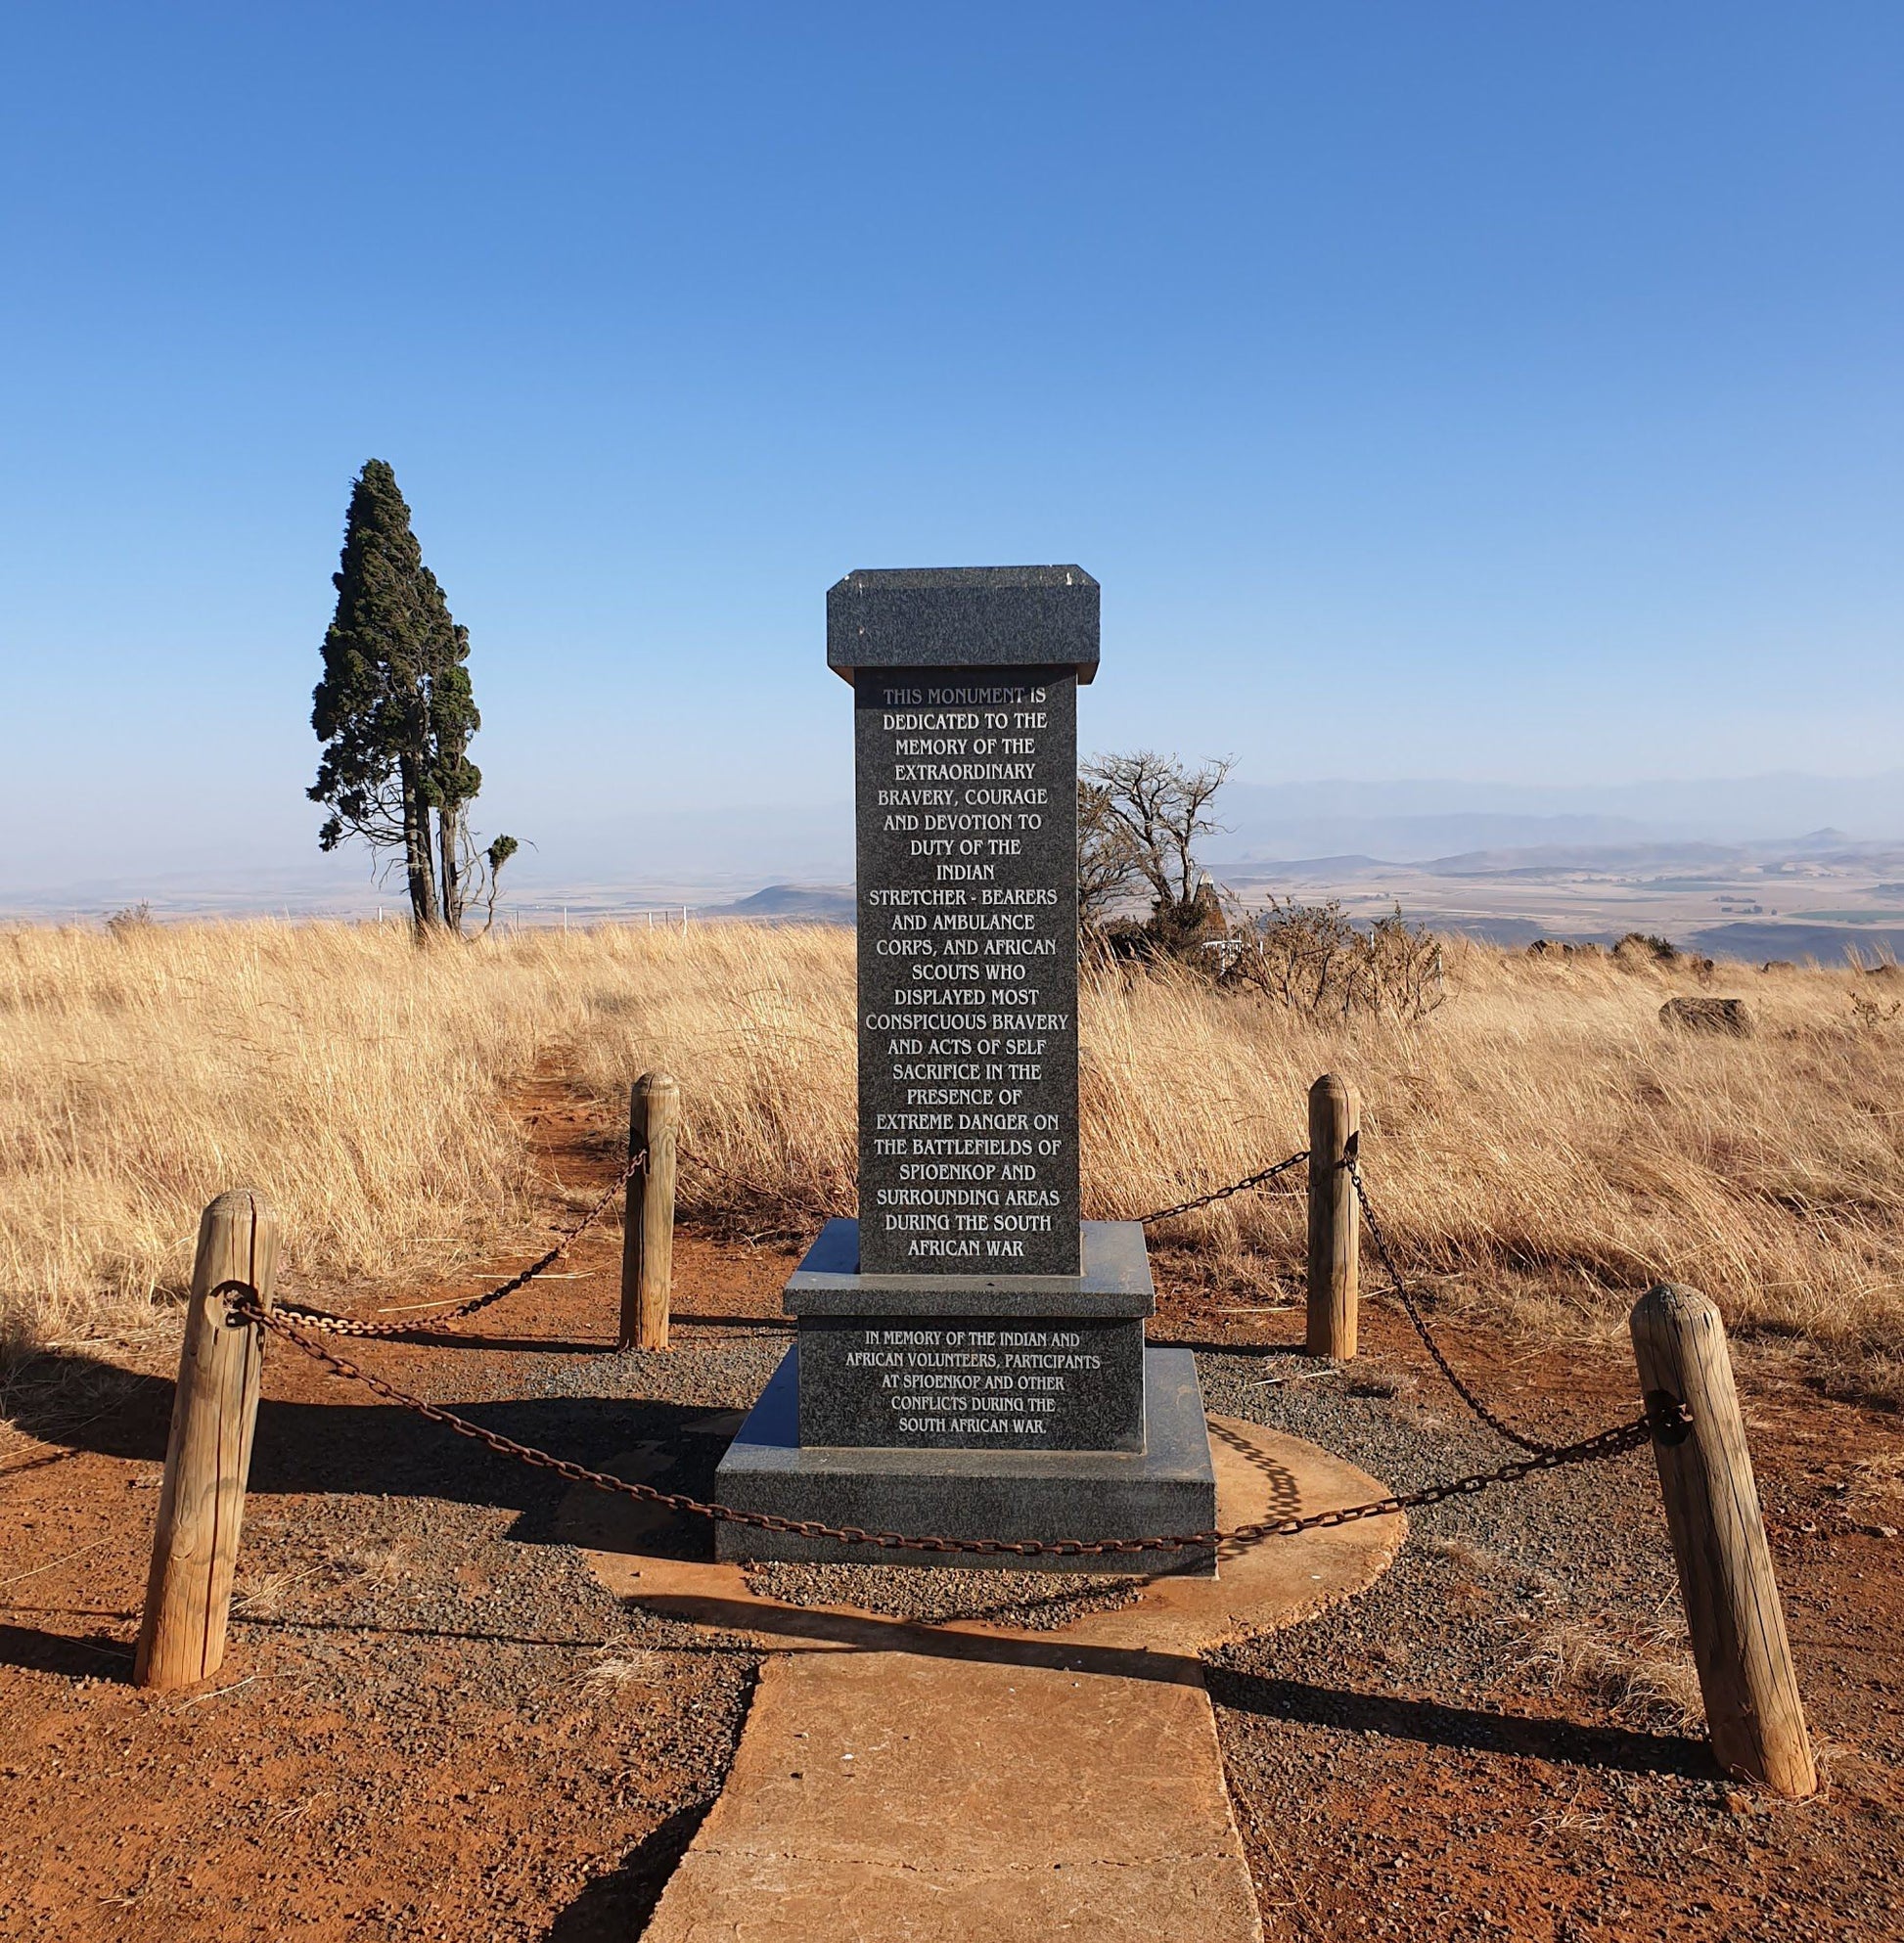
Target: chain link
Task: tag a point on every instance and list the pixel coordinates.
(1591, 1450)
(1257, 1180)
(1666, 1419)
(1399, 1290)
(335, 1325)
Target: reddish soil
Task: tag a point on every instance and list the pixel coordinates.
(405, 1738)
(1520, 1808)
(432, 1721)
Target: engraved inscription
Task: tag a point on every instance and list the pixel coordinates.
(968, 971)
(1065, 1384)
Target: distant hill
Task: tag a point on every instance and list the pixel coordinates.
(1826, 943)
(1414, 821)
(1824, 846)
(791, 904)
(1254, 843)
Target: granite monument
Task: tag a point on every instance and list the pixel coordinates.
(970, 1358)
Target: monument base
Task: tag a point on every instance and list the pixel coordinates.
(1170, 1486)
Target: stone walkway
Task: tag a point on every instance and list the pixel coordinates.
(891, 1798)
(898, 1782)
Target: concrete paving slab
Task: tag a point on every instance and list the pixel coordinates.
(897, 1798)
(899, 1783)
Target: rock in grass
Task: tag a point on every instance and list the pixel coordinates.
(1709, 1015)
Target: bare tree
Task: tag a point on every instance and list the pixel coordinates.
(1107, 859)
(1159, 804)
(489, 879)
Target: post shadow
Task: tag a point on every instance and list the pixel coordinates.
(818, 1629)
(384, 1450)
(521, 1345)
(83, 1403)
(1469, 1730)
(71, 1655)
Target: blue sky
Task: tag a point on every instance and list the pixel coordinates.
(1501, 392)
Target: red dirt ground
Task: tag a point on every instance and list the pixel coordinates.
(420, 1732)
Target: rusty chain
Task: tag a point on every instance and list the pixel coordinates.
(1666, 1419)
(1590, 1450)
(335, 1325)
(1256, 1180)
(1351, 1164)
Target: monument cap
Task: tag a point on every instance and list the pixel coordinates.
(963, 617)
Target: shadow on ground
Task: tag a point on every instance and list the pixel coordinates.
(616, 1906)
(384, 1450)
(1472, 1728)
(71, 1655)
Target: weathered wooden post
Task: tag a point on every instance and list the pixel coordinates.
(648, 1239)
(1334, 1292)
(1752, 1709)
(214, 1411)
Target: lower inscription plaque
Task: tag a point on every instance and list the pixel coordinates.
(909, 1383)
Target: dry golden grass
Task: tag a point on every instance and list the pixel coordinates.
(1644, 1676)
(1541, 1140)
(356, 1080)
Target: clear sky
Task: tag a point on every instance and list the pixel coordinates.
(1498, 391)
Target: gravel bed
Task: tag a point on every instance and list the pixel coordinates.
(1035, 1601)
(705, 1370)
(1561, 1547)
(1502, 1735)
(1506, 1713)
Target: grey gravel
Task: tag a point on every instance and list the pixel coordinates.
(1036, 1601)
(1384, 1757)
(1413, 1761)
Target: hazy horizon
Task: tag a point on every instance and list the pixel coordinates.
(666, 857)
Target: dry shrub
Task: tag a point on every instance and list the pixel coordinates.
(387, 1563)
(1877, 1484)
(1541, 1135)
(1877, 1378)
(1475, 1559)
(1314, 959)
(619, 1669)
(1644, 1677)
(266, 1595)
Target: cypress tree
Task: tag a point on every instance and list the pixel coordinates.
(395, 711)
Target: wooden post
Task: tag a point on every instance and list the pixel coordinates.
(648, 1240)
(214, 1411)
(1333, 1290)
(1752, 1708)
